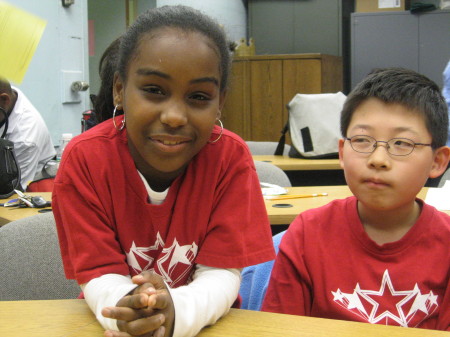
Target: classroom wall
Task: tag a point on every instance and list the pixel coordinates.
(108, 19)
(60, 58)
(232, 14)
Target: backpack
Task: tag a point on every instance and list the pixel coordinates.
(313, 124)
(9, 169)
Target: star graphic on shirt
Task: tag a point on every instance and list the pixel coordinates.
(392, 299)
(388, 304)
(174, 256)
(350, 301)
(420, 302)
(137, 254)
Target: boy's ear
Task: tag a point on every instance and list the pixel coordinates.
(118, 88)
(440, 161)
(341, 152)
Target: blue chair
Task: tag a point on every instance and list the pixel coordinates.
(255, 280)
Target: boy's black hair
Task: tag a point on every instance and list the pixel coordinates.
(408, 88)
(184, 18)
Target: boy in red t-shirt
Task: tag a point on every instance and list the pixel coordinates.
(381, 256)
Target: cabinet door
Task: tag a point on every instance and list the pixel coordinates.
(383, 40)
(236, 112)
(266, 100)
(301, 76)
(434, 44)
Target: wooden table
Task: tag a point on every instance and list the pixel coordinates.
(295, 164)
(284, 216)
(277, 216)
(8, 214)
(73, 318)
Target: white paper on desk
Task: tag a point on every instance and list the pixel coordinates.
(439, 197)
(272, 189)
(388, 3)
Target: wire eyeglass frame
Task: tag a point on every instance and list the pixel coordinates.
(396, 146)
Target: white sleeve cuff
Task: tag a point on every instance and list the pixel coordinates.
(106, 291)
(203, 301)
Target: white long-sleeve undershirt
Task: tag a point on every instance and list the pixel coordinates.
(202, 302)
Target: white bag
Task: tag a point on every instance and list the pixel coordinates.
(314, 125)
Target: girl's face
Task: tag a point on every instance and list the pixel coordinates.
(171, 99)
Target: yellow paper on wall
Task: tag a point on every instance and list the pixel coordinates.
(20, 33)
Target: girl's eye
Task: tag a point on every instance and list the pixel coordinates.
(200, 97)
(153, 90)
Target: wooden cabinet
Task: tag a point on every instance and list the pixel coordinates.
(262, 85)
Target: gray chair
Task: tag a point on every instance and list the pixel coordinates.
(30, 260)
(444, 177)
(261, 148)
(269, 173)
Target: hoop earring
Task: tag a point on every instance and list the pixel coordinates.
(220, 135)
(114, 120)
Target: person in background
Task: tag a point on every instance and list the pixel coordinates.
(381, 256)
(33, 145)
(157, 210)
(104, 102)
(446, 93)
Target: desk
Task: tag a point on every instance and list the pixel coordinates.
(296, 164)
(72, 318)
(307, 172)
(8, 214)
(277, 216)
(284, 216)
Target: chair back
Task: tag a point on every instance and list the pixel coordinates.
(255, 280)
(30, 260)
(444, 177)
(269, 173)
(266, 148)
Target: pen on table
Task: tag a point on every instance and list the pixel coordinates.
(294, 196)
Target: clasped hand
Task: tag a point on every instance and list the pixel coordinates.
(147, 311)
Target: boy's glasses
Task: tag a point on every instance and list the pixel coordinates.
(395, 146)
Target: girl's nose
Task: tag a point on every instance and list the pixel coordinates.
(174, 115)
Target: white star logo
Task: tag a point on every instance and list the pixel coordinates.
(144, 253)
(173, 263)
(390, 304)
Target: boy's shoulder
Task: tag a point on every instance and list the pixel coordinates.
(336, 213)
(336, 207)
(433, 215)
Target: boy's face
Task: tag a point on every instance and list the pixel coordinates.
(379, 180)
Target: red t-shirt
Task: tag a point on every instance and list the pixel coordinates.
(328, 267)
(214, 213)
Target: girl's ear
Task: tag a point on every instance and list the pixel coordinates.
(118, 88)
(440, 161)
(222, 97)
